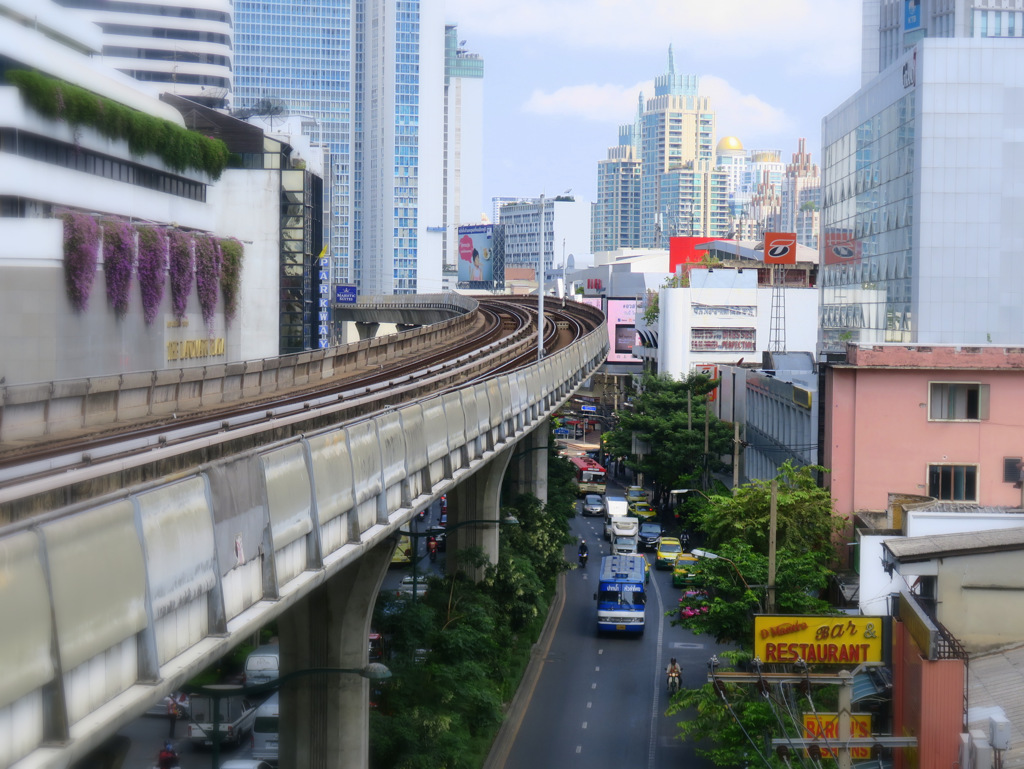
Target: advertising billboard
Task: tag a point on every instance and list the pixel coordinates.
(911, 15)
(622, 334)
(682, 250)
(780, 248)
(476, 251)
(825, 727)
(818, 639)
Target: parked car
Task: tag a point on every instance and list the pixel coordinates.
(636, 494)
(649, 536)
(593, 504)
(668, 549)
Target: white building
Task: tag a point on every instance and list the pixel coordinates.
(721, 317)
(463, 145)
(184, 47)
(55, 168)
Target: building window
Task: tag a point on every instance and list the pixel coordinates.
(955, 483)
(949, 401)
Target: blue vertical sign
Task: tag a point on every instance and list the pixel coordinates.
(911, 15)
(324, 327)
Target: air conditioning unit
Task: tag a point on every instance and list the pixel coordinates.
(999, 732)
(982, 755)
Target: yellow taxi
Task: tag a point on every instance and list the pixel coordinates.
(668, 550)
(642, 510)
(636, 494)
(681, 569)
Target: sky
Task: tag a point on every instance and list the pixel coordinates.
(560, 76)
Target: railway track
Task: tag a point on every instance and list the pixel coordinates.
(70, 469)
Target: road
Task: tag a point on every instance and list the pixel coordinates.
(600, 700)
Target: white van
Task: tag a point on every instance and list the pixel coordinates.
(264, 731)
(616, 507)
(262, 665)
(624, 535)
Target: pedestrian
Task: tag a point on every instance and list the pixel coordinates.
(172, 714)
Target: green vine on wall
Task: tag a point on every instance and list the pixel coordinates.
(178, 147)
(232, 253)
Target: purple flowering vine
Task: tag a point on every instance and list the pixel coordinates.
(181, 270)
(118, 253)
(152, 270)
(208, 260)
(232, 253)
(81, 247)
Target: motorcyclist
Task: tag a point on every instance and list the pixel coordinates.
(432, 547)
(673, 671)
(168, 758)
(584, 552)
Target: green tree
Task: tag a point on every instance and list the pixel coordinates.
(805, 518)
(729, 590)
(672, 425)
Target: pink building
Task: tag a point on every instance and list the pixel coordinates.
(946, 422)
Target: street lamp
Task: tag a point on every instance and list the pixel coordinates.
(687, 491)
(374, 671)
(416, 535)
(714, 556)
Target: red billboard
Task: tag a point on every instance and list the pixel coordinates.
(683, 250)
(780, 248)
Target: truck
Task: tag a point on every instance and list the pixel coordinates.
(236, 715)
(624, 535)
(614, 507)
(621, 594)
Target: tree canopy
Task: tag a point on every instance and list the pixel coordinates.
(668, 416)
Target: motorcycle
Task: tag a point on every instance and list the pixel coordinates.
(583, 560)
(673, 683)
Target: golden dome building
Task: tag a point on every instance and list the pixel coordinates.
(732, 158)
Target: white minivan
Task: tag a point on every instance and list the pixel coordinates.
(262, 665)
(264, 731)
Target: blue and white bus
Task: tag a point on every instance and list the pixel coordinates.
(621, 595)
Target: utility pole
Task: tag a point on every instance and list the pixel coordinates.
(707, 431)
(772, 529)
(736, 457)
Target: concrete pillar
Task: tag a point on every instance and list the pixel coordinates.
(476, 498)
(366, 329)
(529, 468)
(325, 717)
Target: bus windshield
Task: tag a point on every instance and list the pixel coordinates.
(624, 596)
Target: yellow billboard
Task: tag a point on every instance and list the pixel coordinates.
(825, 727)
(821, 640)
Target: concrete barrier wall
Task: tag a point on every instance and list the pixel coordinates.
(36, 410)
(108, 608)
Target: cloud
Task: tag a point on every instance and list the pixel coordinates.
(823, 34)
(602, 103)
(741, 114)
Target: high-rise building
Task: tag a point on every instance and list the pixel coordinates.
(679, 190)
(463, 141)
(371, 75)
(615, 217)
(920, 207)
(182, 47)
(545, 231)
(801, 198)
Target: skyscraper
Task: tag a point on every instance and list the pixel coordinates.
(463, 141)
(801, 198)
(615, 219)
(180, 46)
(920, 207)
(371, 75)
(661, 179)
